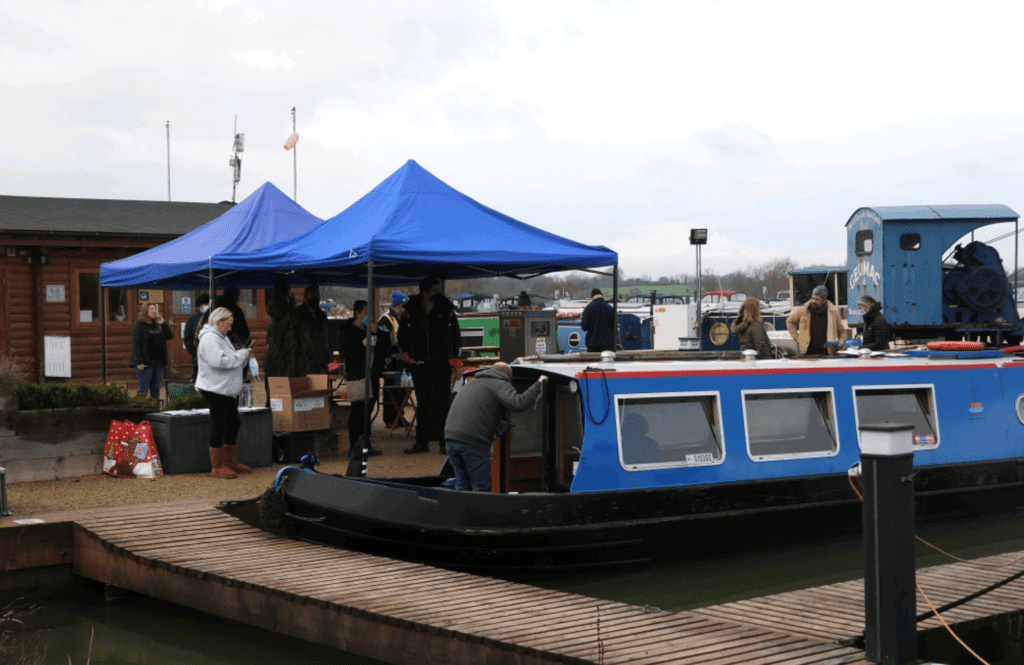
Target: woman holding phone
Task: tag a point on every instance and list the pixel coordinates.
(149, 349)
(220, 382)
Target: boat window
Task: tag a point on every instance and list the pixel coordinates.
(900, 404)
(910, 241)
(789, 424)
(669, 430)
(1020, 409)
(863, 242)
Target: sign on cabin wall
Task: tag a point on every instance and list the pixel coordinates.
(54, 293)
(151, 296)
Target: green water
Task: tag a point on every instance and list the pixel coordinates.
(143, 631)
(769, 571)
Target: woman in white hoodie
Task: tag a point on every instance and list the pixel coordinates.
(220, 382)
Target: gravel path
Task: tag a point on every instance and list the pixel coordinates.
(101, 491)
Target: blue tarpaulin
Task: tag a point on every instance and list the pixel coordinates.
(411, 225)
(265, 217)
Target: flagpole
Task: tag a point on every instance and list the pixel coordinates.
(295, 164)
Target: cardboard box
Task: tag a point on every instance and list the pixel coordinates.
(298, 404)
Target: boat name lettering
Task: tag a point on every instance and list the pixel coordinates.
(976, 407)
(700, 458)
(863, 272)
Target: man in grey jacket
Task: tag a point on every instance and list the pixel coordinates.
(473, 422)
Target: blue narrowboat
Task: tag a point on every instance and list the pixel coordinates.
(627, 462)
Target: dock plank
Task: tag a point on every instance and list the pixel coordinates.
(421, 615)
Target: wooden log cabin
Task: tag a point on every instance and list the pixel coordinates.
(53, 311)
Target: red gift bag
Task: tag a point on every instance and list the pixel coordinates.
(130, 451)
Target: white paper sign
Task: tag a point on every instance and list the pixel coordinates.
(309, 403)
(85, 316)
(276, 404)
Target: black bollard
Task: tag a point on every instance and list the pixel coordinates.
(887, 469)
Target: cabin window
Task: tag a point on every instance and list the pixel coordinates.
(1020, 409)
(117, 305)
(900, 404)
(864, 240)
(247, 301)
(910, 241)
(791, 424)
(660, 431)
(88, 298)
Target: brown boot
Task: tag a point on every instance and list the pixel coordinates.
(230, 460)
(220, 469)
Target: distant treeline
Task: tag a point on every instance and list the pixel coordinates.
(764, 279)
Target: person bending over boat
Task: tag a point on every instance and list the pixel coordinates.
(876, 329)
(816, 323)
(749, 327)
(473, 422)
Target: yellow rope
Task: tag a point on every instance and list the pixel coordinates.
(946, 625)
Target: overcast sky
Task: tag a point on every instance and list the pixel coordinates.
(616, 124)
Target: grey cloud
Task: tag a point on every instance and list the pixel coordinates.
(733, 141)
(27, 37)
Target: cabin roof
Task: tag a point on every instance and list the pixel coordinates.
(818, 270)
(39, 214)
(992, 211)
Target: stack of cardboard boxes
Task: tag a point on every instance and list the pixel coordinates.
(301, 407)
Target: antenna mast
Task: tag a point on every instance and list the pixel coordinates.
(168, 160)
(236, 160)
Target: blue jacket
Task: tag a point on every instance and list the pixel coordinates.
(599, 323)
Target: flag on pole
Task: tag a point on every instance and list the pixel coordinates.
(292, 140)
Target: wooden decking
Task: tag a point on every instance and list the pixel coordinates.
(198, 556)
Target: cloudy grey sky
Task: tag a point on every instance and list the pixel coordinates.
(622, 124)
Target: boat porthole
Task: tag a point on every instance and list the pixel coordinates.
(719, 334)
(573, 387)
(1020, 408)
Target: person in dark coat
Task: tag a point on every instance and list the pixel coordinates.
(239, 334)
(749, 327)
(353, 350)
(876, 329)
(524, 300)
(149, 349)
(191, 333)
(314, 322)
(431, 343)
(598, 322)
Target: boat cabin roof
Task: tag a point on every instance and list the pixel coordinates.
(653, 368)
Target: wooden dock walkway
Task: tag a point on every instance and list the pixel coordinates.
(198, 556)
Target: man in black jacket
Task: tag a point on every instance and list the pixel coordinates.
(598, 322)
(431, 342)
(314, 322)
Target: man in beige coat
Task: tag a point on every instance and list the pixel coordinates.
(816, 323)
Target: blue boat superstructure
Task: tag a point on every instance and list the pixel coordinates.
(975, 415)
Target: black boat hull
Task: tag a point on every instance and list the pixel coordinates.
(515, 533)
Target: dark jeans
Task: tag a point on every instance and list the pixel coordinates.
(224, 416)
(472, 466)
(195, 370)
(150, 380)
(355, 419)
(433, 384)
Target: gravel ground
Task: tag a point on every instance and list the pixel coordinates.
(102, 491)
